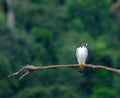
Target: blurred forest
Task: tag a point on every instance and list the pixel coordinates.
(45, 32)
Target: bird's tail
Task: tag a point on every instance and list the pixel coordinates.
(81, 70)
(81, 66)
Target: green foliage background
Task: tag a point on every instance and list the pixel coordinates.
(48, 32)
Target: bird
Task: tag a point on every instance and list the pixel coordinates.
(81, 54)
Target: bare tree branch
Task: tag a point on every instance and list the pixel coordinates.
(31, 68)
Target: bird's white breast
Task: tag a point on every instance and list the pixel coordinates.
(81, 54)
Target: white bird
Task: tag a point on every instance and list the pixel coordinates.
(81, 54)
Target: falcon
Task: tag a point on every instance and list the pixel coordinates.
(81, 54)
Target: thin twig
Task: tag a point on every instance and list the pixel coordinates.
(24, 75)
(16, 73)
(31, 68)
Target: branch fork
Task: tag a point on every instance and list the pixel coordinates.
(29, 68)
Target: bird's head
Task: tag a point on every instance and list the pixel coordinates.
(84, 45)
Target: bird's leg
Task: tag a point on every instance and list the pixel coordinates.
(82, 64)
